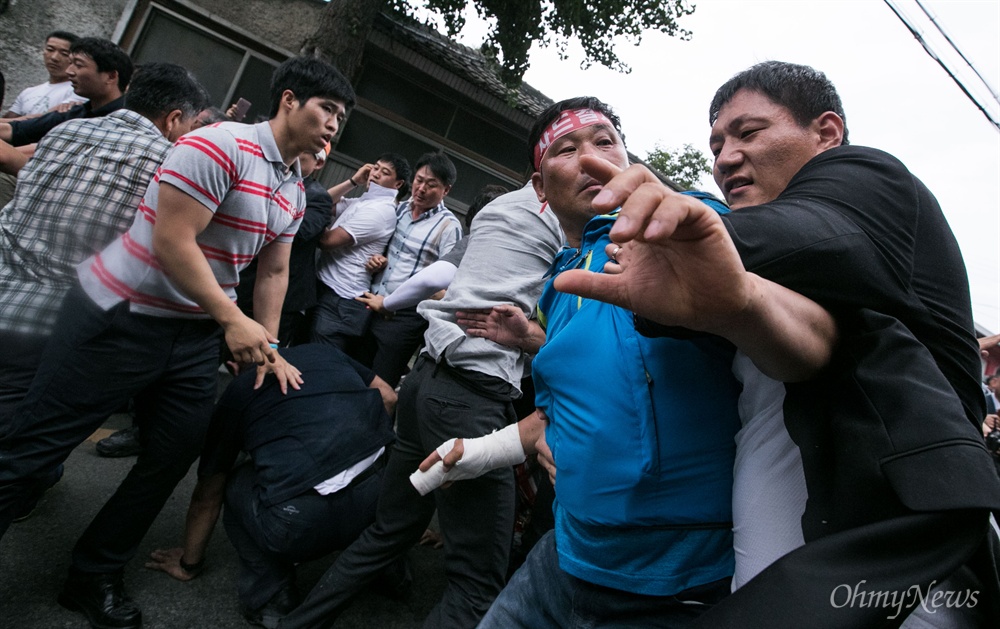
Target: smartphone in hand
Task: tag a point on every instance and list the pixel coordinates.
(242, 107)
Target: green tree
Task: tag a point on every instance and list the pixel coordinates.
(684, 166)
(345, 24)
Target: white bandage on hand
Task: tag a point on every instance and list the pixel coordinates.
(493, 451)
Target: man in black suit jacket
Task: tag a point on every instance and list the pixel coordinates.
(311, 484)
(899, 483)
(300, 296)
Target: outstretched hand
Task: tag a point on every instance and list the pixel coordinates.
(504, 324)
(169, 560)
(676, 263)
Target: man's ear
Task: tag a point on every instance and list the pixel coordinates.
(172, 121)
(113, 78)
(399, 184)
(536, 183)
(447, 189)
(168, 122)
(830, 127)
(288, 99)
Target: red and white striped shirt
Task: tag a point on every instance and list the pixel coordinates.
(234, 170)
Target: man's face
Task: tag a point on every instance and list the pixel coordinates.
(314, 123)
(428, 190)
(56, 56)
(384, 174)
(561, 181)
(87, 81)
(758, 148)
(993, 384)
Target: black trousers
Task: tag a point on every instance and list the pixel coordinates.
(389, 343)
(476, 516)
(94, 363)
(21, 355)
(837, 581)
(339, 322)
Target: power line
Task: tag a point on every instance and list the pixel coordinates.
(941, 30)
(919, 37)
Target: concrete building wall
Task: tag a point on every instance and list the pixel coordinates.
(285, 23)
(25, 23)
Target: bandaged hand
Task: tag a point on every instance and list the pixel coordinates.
(482, 454)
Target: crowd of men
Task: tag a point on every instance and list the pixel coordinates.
(723, 394)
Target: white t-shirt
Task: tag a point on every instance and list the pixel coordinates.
(769, 484)
(41, 98)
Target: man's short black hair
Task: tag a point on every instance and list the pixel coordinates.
(485, 196)
(159, 88)
(440, 165)
(803, 91)
(108, 57)
(213, 115)
(308, 77)
(70, 37)
(552, 112)
(399, 164)
(402, 168)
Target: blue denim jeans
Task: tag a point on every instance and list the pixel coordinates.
(270, 541)
(541, 595)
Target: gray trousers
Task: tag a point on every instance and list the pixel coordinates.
(476, 516)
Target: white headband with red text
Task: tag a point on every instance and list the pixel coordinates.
(567, 122)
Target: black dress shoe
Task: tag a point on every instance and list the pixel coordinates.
(102, 599)
(280, 605)
(125, 442)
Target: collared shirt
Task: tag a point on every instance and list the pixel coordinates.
(33, 129)
(370, 220)
(513, 241)
(417, 243)
(76, 194)
(234, 170)
(644, 493)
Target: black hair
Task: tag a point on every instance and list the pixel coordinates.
(402, 168)
(159, 88)
(308, 77)
(107, 56)
(552, 112)
(70, 37)
(440, 165)
(485, 196)
(805, 92)
(3, 87)
(214, 115)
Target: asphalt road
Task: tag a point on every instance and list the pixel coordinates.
(35, 555)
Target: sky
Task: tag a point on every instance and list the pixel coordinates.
(896, 97)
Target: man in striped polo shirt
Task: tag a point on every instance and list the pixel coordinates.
(146, 320)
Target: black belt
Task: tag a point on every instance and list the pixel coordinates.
(483, 385)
